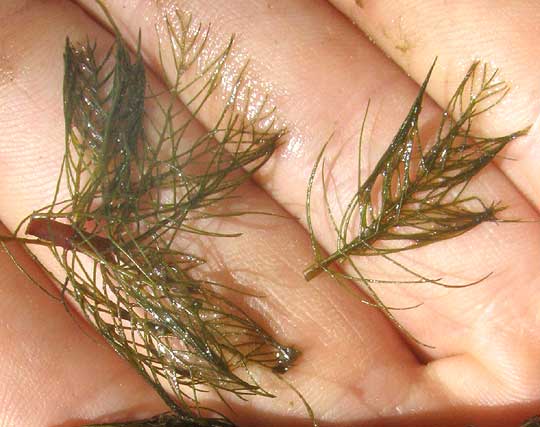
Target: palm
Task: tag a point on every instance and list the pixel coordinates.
(321, 70)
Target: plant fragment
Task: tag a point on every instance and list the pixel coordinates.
(415, 195)
(134, 184)
(532, 422)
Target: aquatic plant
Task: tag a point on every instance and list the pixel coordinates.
(131, 183)
(416, 194)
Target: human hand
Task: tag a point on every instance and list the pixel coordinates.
(320, 71)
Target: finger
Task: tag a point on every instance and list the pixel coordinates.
(413, 33)
(323, 47)
(323, 320)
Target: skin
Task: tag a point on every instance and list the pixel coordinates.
(321, 68)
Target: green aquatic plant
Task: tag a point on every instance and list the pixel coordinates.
(416, 193)
(132, 181)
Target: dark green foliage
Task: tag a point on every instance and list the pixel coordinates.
(135, 183)
(415, 196)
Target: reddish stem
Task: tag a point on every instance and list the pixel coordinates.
(65, 236)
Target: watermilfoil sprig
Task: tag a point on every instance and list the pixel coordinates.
(415, 195)
(132, 182)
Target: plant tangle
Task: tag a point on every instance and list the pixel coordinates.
(135, 181)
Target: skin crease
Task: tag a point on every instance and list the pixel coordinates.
(355, 369)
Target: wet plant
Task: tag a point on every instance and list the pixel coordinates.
(416, 194)
(133, 182)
